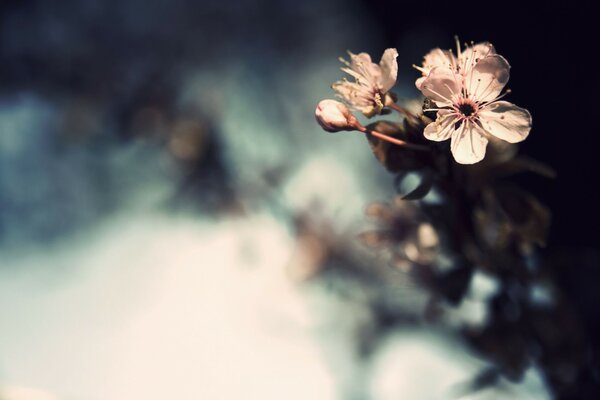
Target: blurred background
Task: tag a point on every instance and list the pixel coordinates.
(174, 224)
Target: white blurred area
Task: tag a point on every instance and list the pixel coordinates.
(155, 308)
(150, 304)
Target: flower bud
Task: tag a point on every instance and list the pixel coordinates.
(334, 116)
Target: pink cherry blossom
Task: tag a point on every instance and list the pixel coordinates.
(469, 109)
(334, 116)
(369, 93)
(461, 63)
(435, 58)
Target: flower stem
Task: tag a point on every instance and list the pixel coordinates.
(395, 141)
(412, 117)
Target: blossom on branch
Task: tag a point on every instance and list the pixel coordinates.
(469, 107)
(435, 58)
(334, 116)
(369, 93)
(461, 63)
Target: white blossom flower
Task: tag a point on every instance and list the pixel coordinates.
(435, 58)
(369, 93)
(334, 116)
(472, 54)
(461, 63)
(469, 107)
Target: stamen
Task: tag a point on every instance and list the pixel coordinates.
(477, 87)
(458, 51)
(458, 135)
(434, 92)
(459, 84)
(467, 109)
(378, 102)
(483, 94)
(451, 91)
(471, 76)
(489, 47)
(419, 68)
(470, 138)
(497, 98)
(343, 61)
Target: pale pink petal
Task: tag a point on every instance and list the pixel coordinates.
(352, 93)
(442, 86)
(352, 73)
(369, 110)
(345, 90)
(360, 58)
(468, 143)
(362, 64)
(487, 78)
(441, 129)
(435, 58)
(506, 121)
(438, 58)
(471, 55)
(389, 69)
(358, 97)
(333, 116)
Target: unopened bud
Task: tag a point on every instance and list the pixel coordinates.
(334, 116)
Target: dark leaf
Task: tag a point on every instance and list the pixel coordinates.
(454, 284)
(393, 157)
(530, 219)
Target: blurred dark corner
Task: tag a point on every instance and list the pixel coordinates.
(94, 53)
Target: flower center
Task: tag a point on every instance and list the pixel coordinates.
(378, 101)
(466, 109)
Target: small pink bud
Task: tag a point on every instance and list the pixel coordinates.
(334, 116)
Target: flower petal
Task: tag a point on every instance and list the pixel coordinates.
(362, 64)
(439, 58)
(360, 58)
(435, 58)
(357, 77)
(468, 143)
(506, 121)
(389, 69)
(334, 116)
(354, 94)
(442, 86)
(473, 54)
(441, 129)
(487, 78)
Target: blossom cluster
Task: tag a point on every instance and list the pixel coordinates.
(464, 90)
(457, 218)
